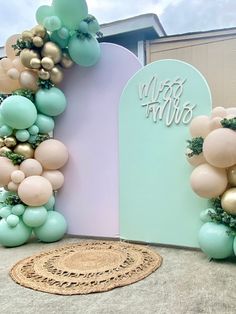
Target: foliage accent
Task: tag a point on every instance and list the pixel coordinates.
(39, 139)
(26, 93)
(13, 200)
(195, 145)
(16, 159)
(220, 216)
(83, 36)
(45, 84)
(229, 123)
(3, 96)
(20, 45)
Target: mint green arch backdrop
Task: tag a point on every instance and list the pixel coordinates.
(157, 204)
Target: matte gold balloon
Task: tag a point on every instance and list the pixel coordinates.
(27, 35)
(26, 55)
(10, 141)
(53, 51)
(56, 75)
(2, 142)
(4, 150)
(47, 63)
(232, 175)
(38, 41)
(66, 61)
(25, 150)
(39, 30)
(228, 201)
(35, 63)
(44, 75)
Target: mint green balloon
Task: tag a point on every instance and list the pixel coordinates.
(53, 229)
(50, 204)
(33, 130)
(22, 135)
(5, 211)
(35, 216)
(43, 12)
(215, 241)
(51, 102)
(2, 122)
(234, 246)
(204, 215)
(18, 112)
(85, 52)
(12, 220)
(44, 123)
(52, 23)
(11, 237)
(63, 33)
(56, 38)
(94, 26)
(5, 130)
(70, 12)
(18, 209)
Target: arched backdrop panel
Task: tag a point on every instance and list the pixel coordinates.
(156, 202)
(89, 199)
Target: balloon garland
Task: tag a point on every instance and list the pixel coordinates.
(30, 159)
(212, 151)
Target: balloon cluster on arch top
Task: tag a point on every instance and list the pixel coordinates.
(212, 151)
(30, 159)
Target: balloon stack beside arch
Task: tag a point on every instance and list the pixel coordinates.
(212, 151)
(30, 159)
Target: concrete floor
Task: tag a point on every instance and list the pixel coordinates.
(186, 283)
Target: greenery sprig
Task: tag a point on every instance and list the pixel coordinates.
(229, 123)
(13, 200)
(83, 36)
(26, 93)
(39, 139)
(21, 44)
(16, 159)
(3, 96)
(45, 84)
(195, 145)
(220, 216)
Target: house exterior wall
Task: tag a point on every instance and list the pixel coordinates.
(213, 54)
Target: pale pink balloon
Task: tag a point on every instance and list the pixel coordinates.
(13, 74)
(215, 123)
(196, 160)
(28, 79)
(17, 176)
(17, 64)
(31, 167)
(207, 181)
(9, 50)
(6, 168)
(219, 148)
(6, 64)
(12, 186)
(35, 191)
(52, 154)
(231, 111)
(8, 85)
(55, 177)
(199, 126)
(219, 112)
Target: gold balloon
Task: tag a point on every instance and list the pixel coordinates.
(38, 41)
(26, 55)
(2, 142)
(10, 141)
(232, 175)
(228, 201)
(53, 51)
(39, 30)
(44, 75)
(56, 75)
(4, 150)
(27, 35)
(47, 63)
(25, 150)
(35, 63)
(66, 61)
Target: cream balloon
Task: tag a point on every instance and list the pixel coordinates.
(219, 112)
(28, 79)
(17, 64)
(12, 186)
(6, 64)
(199, 126)
(9, 50)
(55, 177)
(8, 85)
(35, 191)
(17, 176)
(13, 74)
(207, 181)
(6, 168)
(31, 167)
(196, 160)
(231, 111)
(215, 123)
(219, 148)
(52, 154)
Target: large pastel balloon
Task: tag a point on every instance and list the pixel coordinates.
(6, 169)
(70, 12)
(228, 201)
(199, 126)
(35, 191)
(43, 12)
(208, 181)
(219, 148)
(35, 216)
(52, 154)
(85, 52)
(53, 229)
(28, 79)
(55, 177)
(11, 237)
(31, 167)
(9, 50)
(44, 123)
(18, 112)
(8, 85)
(215, 240)
(51, 102)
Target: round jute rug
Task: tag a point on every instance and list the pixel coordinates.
(86, 267)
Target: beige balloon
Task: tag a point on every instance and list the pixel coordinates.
(9, 50)
(53, 51)
(219, 112)
(28, 79)
(228, 201)
(56, 75)
(35, 191)
(26, 55)
(8, 85)
(208, 181)
(17, 64)
(6, 64)
(215, 123)
(31, 167)
(55, 177)
(13, 187)
(219, 148)
(6, 168)
(199, 126)
(13, 74)
(52, 154)
(24, 149)
(231, 172)
(196, 160)
(231, 111)
(17, 176)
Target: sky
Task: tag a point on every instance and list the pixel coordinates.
(176, 16)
